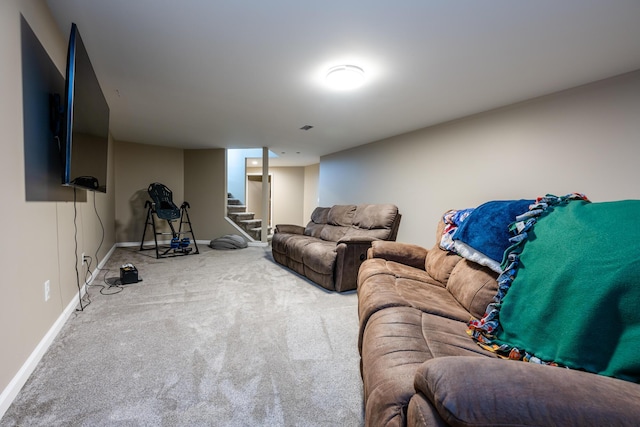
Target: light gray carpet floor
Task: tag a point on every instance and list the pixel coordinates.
(221, 338)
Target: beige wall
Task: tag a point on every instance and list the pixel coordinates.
(39, 237)
(288, 194)
(205, 190)
(137, 166)
(311, 174)
(584, 140)
(197, 176)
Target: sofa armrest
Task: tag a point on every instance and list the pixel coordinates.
(350, 254)
(404, 253)
(289, 228)
(485, 391)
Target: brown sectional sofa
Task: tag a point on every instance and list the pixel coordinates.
(421, 368)
(330, 249)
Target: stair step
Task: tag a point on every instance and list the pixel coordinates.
(236, 208)
(237, 212)
(256, 233)
(241, 216)
(259, 229)
(248, 224)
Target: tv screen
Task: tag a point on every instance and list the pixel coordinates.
(87, 121)
(43, 119)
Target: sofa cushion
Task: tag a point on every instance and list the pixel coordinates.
(295, 244)
(333, 233)
(281, 242)
(430, 299)
(397, 342)
(320, 256)
(296, 266)
(422, 413)
(319, 263)
(391, 290)
(473, 285)
(389, 284)
(376, 266)
(371, 217)
(319, 218)
(320, 215)
(278, 242)
(489, 392)
(440, 263)
(314, 230)
(341, 215)
(395, 348)
(354, 233)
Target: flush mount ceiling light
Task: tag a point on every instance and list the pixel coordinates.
(344, 77)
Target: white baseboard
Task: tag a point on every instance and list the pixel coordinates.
(146, 243)
(200, 242)
(151, 243)
(15, 385)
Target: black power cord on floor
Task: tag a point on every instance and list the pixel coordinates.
(95, 208)
(75, 239)
(107, 285)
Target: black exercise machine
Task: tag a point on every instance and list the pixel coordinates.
(161, 206)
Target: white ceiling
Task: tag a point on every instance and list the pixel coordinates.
(249, 73)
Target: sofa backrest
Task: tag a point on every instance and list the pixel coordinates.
(379, 221)
(341, 215)
(471, 284)
(440, 263)
(319, 218)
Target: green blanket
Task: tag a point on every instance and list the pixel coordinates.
(573, 297)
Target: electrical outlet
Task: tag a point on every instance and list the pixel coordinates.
(47, 290)
(84, 258)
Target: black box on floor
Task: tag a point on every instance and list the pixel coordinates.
(128, 274)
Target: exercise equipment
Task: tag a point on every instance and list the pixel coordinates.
(161, 206)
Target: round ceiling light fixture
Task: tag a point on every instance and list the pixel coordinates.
(345, 77)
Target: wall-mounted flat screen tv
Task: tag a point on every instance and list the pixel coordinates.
(86, 127)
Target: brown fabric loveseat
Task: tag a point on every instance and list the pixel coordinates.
(421, 368)
(330, 249)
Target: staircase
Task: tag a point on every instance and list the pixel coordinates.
(237, 212)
